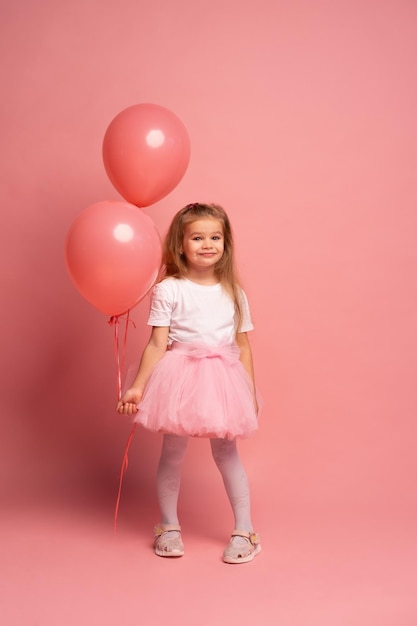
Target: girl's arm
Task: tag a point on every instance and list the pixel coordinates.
(242, 341)
(153, 352)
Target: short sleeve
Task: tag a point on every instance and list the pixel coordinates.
(161, 307)
(246, 317)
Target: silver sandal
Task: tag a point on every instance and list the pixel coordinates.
(166, 545)
(242, 554)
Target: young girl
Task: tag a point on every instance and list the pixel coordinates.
(196, 376)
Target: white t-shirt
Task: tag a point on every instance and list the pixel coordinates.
(196, 313)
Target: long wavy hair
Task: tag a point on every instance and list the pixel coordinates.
(174, 262)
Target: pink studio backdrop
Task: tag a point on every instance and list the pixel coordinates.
(302, 120)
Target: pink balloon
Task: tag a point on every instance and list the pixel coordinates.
(113, 254)
(146, 151)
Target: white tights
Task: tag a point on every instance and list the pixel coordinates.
(227, 459)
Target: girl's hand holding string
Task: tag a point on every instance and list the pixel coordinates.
(127, 404)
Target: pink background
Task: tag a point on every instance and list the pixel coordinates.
(302, 120)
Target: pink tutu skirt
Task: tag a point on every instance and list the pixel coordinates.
(200, 391)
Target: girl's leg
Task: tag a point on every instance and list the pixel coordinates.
(244, 545)
(227, 459)
(169, 476)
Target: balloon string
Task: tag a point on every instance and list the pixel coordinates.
(125, 465)
(120, 364)
(125, 342)
(115, 321)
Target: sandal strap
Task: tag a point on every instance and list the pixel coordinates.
(160, 529)
(251, 536)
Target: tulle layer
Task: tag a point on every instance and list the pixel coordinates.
(201, 391)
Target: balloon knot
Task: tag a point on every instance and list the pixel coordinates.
(115, 319)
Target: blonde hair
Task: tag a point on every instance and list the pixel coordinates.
(174, 262)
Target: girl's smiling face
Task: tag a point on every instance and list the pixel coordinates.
(203, 244)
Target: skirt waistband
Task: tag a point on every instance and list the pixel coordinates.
(227, 352)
